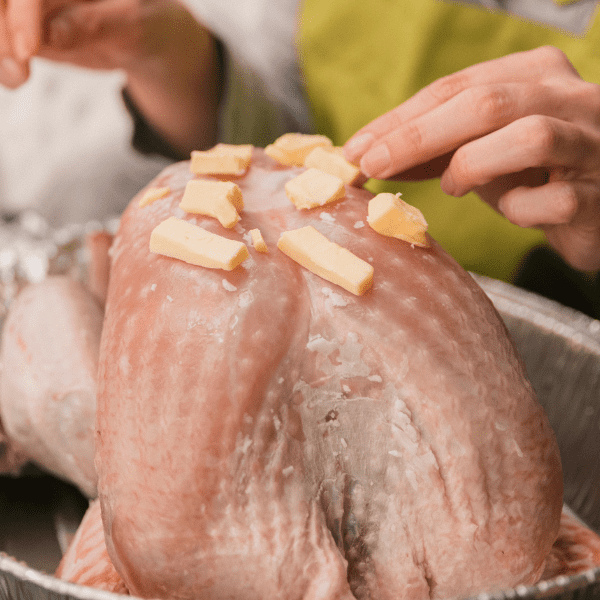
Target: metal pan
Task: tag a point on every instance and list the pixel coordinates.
(561, 351)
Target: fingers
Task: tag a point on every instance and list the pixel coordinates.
(518, 67)
(534, 141)
(12, 73)
(555, 203)
(467, 116)
(451, 124)
(569, 214)
(20, 32)
(523, 131)
(95, 32)
(25, 22)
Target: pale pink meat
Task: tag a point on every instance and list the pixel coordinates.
(262, 433)
(49, 355)
(12, 458)
(86, 561)
(98, 245)
(576, 549)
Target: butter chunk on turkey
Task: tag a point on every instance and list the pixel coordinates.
(314, 188)
(222, 159)
(153, 194)
(390, 216)
(311, 249)
(192, 244)
(332, 161)
(291, 149)
(258, 241)
(219, 199)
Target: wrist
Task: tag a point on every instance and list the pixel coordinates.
(176, 83)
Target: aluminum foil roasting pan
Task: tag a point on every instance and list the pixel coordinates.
(560, 347)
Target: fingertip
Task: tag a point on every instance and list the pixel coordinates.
(447, 183)
(552, 204)
(357, 145)
(12, 73)
(513, 208)
(503, 207)
(376, 161)
(24, 46)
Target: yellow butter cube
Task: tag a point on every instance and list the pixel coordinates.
(314, 188)
(222, 159)
(257, 240)
(279, 155)
(219, 199)
(332, 161)
(391, 216)
(192, 244)
(292, 148)
(311, 249)
(243, 151)
(152, 194)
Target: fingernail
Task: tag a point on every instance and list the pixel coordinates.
(13, 69)
(375, 161)
(502, 206)
(355, 147)
(21, 46)
(447, 183)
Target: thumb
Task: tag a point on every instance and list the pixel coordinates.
(81, 22)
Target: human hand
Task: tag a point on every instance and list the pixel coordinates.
(18, 40)
(522, 131)
(102, 34)
(170, 60)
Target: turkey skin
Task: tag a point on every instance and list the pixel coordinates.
(262, 433)
(49, 354)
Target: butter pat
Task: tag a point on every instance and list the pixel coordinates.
(391, 216)
(326, 259)
(222, 159)
(152, 194)
(257, 240)
(314, 188)
(196, 246)
(292, 148)
(219, 199)
(332, 161)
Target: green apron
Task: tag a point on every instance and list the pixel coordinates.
(360, 58)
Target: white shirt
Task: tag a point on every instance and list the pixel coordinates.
(65, 146)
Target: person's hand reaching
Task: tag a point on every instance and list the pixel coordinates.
(522, 131)
(170, 59)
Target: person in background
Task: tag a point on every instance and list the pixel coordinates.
(497, 99)
(65, 132)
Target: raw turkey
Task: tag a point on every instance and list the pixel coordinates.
(262, 433)
(576, 550)
(86, 561)
(50, 346)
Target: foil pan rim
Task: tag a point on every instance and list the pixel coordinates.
(542, 312)
(542, 589)
(507, 299)
(545, 588)
(24, 573)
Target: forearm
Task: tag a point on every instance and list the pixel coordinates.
(178, 85)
